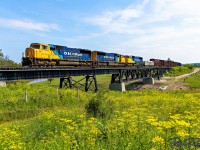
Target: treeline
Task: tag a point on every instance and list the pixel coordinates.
(196, 64)
(5, 61)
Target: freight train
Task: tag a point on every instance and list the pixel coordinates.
(39, 54)
(166, 63)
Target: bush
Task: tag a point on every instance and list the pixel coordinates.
(99, 106)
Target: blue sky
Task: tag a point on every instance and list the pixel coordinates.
(148, 28)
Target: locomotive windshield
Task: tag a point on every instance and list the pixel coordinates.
(35, 46)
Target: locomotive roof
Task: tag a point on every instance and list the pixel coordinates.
(72, 47)
(105, 52)
(39, 43)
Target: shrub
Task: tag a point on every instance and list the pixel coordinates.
(99, 106)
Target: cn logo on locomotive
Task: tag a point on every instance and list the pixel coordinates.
(72, 54)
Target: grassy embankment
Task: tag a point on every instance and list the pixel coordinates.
(179, 70)
(66, 119)
(193, 81)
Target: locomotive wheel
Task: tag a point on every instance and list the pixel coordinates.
(80, 64)
(87, 64)
(46, 63)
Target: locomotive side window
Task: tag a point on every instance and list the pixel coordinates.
(44, 47)
(52, 48)
(35, 46)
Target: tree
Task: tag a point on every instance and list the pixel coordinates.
(1, 54)
(6, 61)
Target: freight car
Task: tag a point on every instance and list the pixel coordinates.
(39, 54)
(164, 63)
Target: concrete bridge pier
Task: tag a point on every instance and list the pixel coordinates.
(117, 83)
(148, 80)
(117, 87)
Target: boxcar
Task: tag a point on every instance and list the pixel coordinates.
(157, 62)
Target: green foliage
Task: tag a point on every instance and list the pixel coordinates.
(99, 106)
(179, 70)
(1, 54)
(6, 62)
(189, 66)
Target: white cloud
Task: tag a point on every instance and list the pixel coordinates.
(193, 20)
(120, 21)
(166, 9)
(130, 19)
(155, 28)
(27, 25)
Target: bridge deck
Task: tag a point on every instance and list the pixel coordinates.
(7, 74)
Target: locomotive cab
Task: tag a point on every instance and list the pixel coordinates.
(38, 54)
(37, 50)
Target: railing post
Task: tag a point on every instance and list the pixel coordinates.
(61, 82)
(95, 83)
(70, 82)
(86, 83)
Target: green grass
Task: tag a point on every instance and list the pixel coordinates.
(14, 105)
(103, 81)
(193, 81)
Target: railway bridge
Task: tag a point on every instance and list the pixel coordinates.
(119, 75)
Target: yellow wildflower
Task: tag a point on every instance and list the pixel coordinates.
(158, 139)
(182, 133)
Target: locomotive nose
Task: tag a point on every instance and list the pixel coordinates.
(29, 52)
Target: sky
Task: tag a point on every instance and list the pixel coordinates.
(149, 28)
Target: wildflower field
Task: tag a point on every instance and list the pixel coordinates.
(47, 118)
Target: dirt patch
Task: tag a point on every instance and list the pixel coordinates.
(163, 85)
(167, 83)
